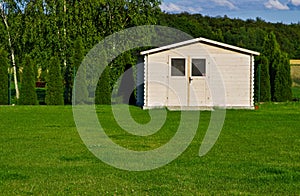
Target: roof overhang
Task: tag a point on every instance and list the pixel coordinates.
(201, 40)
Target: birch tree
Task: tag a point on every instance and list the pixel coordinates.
(4, 9)
(3, 77)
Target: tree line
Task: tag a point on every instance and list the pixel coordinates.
(46, 40)
(47, 32)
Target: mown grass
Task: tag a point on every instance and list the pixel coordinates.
(296, 91)
(257, 153)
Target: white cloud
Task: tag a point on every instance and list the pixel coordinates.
(295, 2)
(276, 4)
(225, 3)
(172, 7)
(277, 10)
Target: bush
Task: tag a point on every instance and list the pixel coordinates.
(279, 69)
(54, 88)
(27, 92)
(103, 90)
(262, 79)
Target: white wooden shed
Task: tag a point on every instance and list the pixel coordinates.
(196, 74)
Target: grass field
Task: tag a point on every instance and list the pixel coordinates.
(257, 153)
(296, 91)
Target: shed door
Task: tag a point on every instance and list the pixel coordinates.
(198, 92)
(178, 82)
(187, 82)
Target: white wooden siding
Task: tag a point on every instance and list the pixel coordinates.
(235, 68)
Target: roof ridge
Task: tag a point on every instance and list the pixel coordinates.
(200, 39)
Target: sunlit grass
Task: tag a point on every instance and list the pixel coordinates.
(258, 152)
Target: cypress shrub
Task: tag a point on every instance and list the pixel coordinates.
(265, 91)
(81, 83)
(103, 90)
(54, 89)
(27, 92)
(279, 69)
(283, 81)
(78, 53)
(71, 69)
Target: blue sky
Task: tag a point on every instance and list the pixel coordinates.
(286, 11)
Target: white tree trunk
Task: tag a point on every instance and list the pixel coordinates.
(3, 15)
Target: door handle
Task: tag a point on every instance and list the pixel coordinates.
(190, 79)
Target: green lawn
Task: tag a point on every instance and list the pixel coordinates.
(257, 153)
(296, 91)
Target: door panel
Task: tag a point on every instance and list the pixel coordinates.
(198, 90)
(177, 89)
(177, 92)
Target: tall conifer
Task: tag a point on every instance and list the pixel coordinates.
(28, 94)
(262, 79)
(54, 92)
(279, 69)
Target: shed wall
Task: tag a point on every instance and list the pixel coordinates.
(234, 68)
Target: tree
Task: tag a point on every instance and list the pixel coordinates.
(28, 94)
(81, 83)
(78, 53)
(262, 79)
(283, 81)
(3, 77)
(71, 69)
(3, 13)
(103, 90)
(54, 90)
(279, 68)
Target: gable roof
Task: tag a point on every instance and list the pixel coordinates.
(201, 40)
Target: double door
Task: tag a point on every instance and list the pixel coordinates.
(188, 81)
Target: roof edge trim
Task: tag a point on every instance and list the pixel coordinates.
(203, 40)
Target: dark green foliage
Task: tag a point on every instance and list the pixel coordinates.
(81, 87)
(283, 81)
(81, 83)
(279, 69)
(78, 53)
(272, 51)
(41, 94)
(71, 69)
(54, 93)
(28, 95)
(126, 91)
(262, 78)
(3, 77)
(249, 34)
(103, 90)
(68, 76)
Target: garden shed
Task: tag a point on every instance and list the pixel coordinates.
(196, 74)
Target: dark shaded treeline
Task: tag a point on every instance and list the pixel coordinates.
(249, 33)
